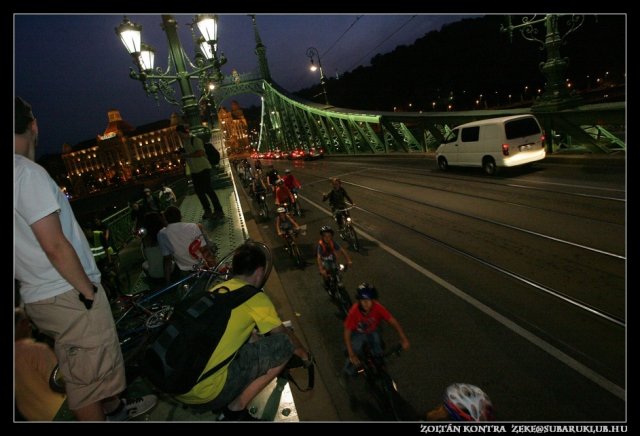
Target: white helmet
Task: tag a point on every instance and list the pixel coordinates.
(466, 402)
(281, 209)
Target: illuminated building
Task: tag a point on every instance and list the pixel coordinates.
(122, 153)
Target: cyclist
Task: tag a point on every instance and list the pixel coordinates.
(257, 186)
(272, 176)
(361, 326)
(285, 223)
(326, 254)
(282, 194)
(290, 181)
(337, 197)
(463, 402)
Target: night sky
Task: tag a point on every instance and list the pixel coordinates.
(74, 68)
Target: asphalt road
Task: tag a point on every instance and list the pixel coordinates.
(514, 283)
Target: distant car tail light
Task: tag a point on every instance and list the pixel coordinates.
(505, 149)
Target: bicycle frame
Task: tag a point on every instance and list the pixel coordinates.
(156, 318)
(346, 229)
(337, 291)
(374, 370)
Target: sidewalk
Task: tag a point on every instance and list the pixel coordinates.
(275, 402)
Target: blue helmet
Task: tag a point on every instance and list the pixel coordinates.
(325, 229)
(366, 292)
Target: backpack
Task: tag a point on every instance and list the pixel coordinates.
(212, 154)
(176, 358)
(326, 250)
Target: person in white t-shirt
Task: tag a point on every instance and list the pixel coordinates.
(185, 243)
(60, 287)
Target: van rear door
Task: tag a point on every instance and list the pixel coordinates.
(523, 135)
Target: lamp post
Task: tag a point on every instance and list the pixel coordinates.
(311, 52)
(556, 95)
(158, 83)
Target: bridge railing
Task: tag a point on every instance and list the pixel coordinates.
(120, 224)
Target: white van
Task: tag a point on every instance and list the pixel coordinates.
(493, 143)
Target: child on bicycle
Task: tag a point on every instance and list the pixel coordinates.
(326, 254)
(285, 223)
(361, 326)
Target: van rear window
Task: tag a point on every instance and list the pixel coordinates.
(521, 127)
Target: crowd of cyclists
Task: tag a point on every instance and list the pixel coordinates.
(461, 402)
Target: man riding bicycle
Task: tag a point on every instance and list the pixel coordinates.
(290, 181)
(326, 254)
(361, 326)
(337, 197)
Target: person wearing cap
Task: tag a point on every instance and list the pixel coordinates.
(200, 170)
(60, 287)
(361, 326)
(290, 181)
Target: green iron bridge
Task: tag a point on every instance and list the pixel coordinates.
(290, 122)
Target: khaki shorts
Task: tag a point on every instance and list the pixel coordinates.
(86, 344)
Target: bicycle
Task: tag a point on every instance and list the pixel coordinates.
(139, 316)
(296, 205)
(345, 225)
(292, 247)
(336, 289)
(114, 279)
(373, 369)
(262, 204)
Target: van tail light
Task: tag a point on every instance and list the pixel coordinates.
(542, 139)
(505, 149)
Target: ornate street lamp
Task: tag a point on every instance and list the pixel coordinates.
(556, 95)
(158, 83)
(311, 52)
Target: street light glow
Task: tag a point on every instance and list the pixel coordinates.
(146, 58)
(311, 52)
(130, 35)
(208, 26)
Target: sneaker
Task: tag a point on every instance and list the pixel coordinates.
(132, 407)
(240, 415)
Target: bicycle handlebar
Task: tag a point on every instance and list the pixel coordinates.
(345, 209)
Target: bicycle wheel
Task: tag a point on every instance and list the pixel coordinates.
(295, 251)
(269, 265)
(391, 396)
(353, 237)
(265, 209)
(225, 265)
(343, 299)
